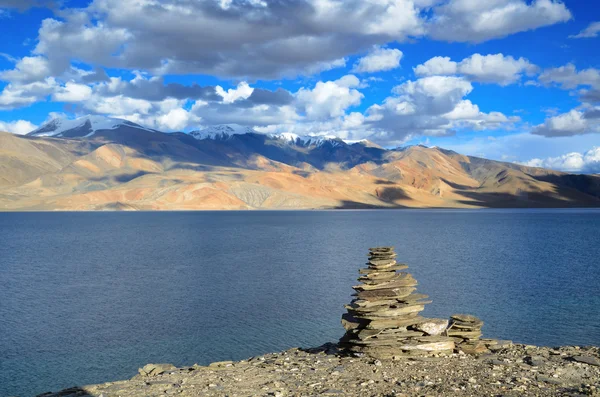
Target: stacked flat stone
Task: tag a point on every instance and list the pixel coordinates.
(466, 329)
(383, 319)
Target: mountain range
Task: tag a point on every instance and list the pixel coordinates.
(97, 163)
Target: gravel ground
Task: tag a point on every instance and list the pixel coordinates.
(518, 370)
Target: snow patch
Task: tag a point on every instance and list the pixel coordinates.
(56, 127)
(226, 131)
(222, 132)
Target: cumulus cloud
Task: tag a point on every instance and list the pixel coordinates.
(245, 39)
(27, 70)
(331, 98)
(242, 91)
(72, 92)
(437, 66)
(568, 77)
(591, 31)
(18, 95)
(478, 21)
(378, 60)
(19, 127)
(497, 68)
(432, 106)
(251, 40)
(155, 89)
(573, 122)
(588, 162)
(166, 115)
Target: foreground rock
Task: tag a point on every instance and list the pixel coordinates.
(383, 319)
(517, 370)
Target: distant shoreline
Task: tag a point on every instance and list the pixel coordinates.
(415, 209)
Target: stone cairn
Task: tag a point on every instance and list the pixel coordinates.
(383, 319)
(466, 331)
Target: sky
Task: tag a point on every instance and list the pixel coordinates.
(511, 80)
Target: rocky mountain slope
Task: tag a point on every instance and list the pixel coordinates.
(94, 163)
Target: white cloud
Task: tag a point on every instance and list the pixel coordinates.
(176, 119)
(252, 39)
(330, 99)
(477, 21)
(243, 91)
(431, 106)
(591, 31)
(497, 68)
(19, 127)
(78, 38)
(588, 162)
(435, 94)
(72, 92)
(437, 66)
(117, 105)
(27, 70)
(573, 122)
(16, 95)
(379, 59)
(568, 77)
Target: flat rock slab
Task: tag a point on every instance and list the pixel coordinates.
(434, 346)
(464, 335)
(465, 318)
(380, 262)
(473, 347)
(393, 323)
(587, 360)
(381, 249)
(386, 293)
(403, 280)
(465, 326)
(372, 270)
(389, 313)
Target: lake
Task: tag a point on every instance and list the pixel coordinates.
(91, 297)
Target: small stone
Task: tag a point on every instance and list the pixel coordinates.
(367, 383)
(221, 364)
(465, 318)
(535, 361)
(434, 326)
(155, 369)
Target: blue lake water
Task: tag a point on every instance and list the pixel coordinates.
(90, 297)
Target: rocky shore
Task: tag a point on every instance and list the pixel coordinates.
(518, 370)
(388, 350)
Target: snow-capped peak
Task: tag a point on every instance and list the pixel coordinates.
(223, 131)
(85, 126)
(307, 140)
(226, 131)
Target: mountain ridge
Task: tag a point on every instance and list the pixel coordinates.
(129, 167)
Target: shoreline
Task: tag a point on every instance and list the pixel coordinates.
(517, 370)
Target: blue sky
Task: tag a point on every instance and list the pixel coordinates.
(513, 80)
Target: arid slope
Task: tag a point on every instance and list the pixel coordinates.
(178, 172)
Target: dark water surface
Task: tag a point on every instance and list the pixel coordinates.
(90, 297)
